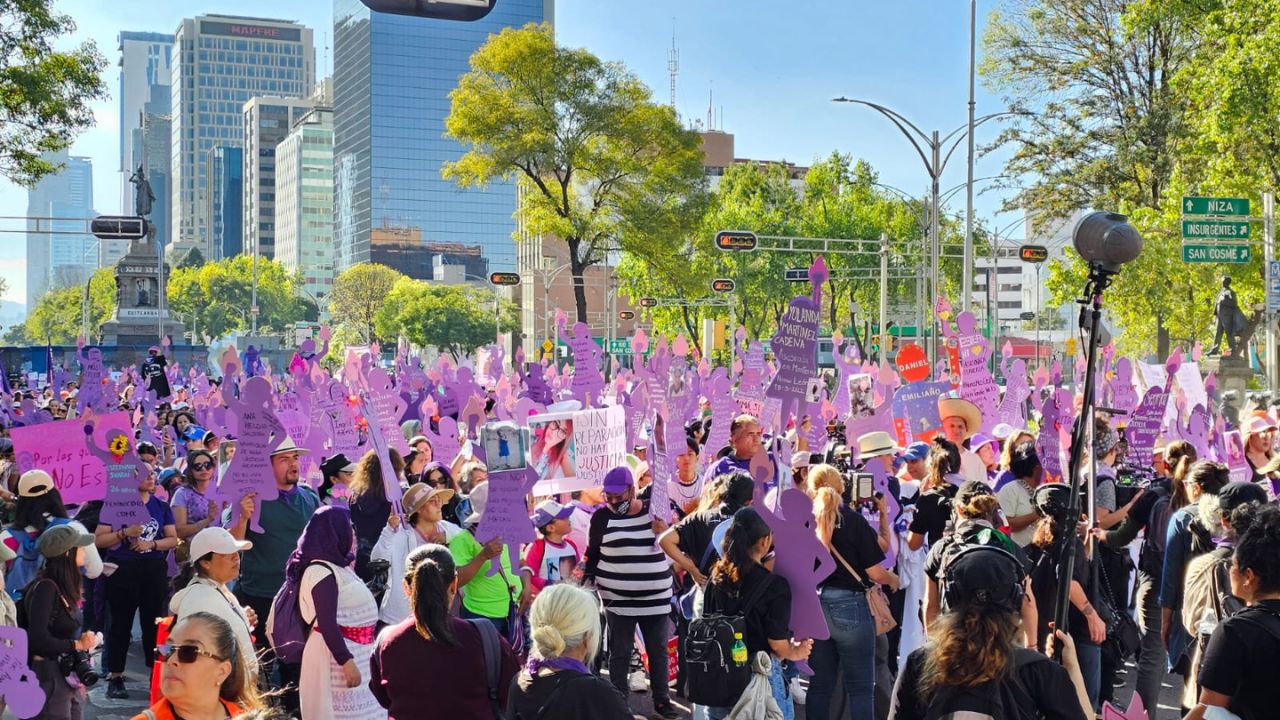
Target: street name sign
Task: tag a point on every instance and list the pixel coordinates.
(1216, 253)
(796, 274)
(116, 227)
(1220, 207)
(1215, 229)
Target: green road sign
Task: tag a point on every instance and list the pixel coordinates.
(1215, 229)
(1216, 253)
(620, 346)
(1224, 207)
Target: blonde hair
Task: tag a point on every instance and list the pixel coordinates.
(826, 486)
(1006, 452)
(563, 617)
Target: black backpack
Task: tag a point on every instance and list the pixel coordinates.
(996, 700)
(714, 679)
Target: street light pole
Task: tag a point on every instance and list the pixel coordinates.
(967, 274)
(935, 162)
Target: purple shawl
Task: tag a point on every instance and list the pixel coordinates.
(328, 536)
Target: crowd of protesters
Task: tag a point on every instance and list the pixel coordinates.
(940, 597)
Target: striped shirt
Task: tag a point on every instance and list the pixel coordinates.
(631, 572)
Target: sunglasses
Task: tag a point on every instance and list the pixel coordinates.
(201, 466)
(187, 654)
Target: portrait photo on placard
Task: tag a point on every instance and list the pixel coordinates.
(504, 446)
(552, 447)
(862, 396)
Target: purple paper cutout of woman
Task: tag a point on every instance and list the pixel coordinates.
(799, 556)
(447, 443)
(260, 432)
(845, 356)
(121, 505)
(19, 685)
(587, 381)
(795, 345)
(506, 513)
(723, 408)
(93, 375)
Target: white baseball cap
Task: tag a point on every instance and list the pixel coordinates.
(216, 540)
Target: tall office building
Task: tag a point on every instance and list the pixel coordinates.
(224, 201)
(59, 251)
(392, 78)
(145, 75)
(219, 63)
(304, 202)
(267, 121)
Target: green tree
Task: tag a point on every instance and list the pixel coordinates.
(216, 298)
(358, 293)
(58, 315)
(45, 93)
(456, 318)
(16, 335)
(193, 259)
(601, 165)
(1103, 127)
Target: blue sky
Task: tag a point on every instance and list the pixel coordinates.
(772, 66)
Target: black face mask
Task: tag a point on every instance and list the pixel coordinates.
(621, 507)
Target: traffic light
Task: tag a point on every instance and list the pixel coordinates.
(722, 285)
(504, 278)
(736, 240)
(117, 227)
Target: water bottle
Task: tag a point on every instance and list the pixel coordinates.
(739, 650)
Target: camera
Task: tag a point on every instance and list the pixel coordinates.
(79, 664)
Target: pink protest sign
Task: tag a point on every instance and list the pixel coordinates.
(795, 344)
(260, 433)
(59, 449)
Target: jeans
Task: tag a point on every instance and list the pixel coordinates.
(777, 688)
(1151, 657)
(1090, 657)
(851, 651)
(656, 631)
(138, 586)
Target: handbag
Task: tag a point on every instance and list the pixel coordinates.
(379, 572)
(881, 615)
(1123, 636)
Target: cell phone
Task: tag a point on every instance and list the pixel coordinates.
(865, 483)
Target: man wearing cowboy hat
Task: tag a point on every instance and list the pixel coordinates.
(282, 520)
(960, 420)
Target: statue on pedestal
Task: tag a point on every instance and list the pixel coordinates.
(1231, 321)
(144, 197)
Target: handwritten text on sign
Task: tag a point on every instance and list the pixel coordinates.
(58, 448)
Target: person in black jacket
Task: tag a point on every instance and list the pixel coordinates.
(558, 683)
(972, 662)
(52, 615)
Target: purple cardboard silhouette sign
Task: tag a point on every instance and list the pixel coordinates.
(1016, 391)
(121, 506)
(19, 685)
(1148, 418)
(260, 433)
(977, 385)
(506, 513)
(587, 383)
(800, 556)
(795, 345)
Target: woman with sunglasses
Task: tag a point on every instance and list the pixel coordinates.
(437, 475)
(203, 676)
(193, 510)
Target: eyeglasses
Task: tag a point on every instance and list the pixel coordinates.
(202, 466)
(187, 654)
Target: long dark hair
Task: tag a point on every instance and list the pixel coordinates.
(970, 646)
(430, 570)
(189, 475)
(745, 530)
(31, 511)
(368, 477)
(943, 460)
(65, 574)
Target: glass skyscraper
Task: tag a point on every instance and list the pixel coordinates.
(225, 168)
(392, 78)
(218, 63)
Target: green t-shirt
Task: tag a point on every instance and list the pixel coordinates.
(486, 595)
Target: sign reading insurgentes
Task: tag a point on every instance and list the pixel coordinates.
(246, 30)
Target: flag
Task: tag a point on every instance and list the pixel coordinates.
(48, 363)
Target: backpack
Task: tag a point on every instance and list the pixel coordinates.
(714, 680)
(27, 565)
(492, 662)
(1151, 556)
(286, 630)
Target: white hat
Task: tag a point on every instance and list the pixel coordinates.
(216, 540)
(289, 446)
(34, 483)
(875, 444)
(479, 497)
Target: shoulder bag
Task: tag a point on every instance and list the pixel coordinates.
(881, 615)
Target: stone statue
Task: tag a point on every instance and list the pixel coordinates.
(144, 197)
(1231, 321)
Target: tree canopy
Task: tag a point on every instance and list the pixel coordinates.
(45, 93)
(602, 166)
(358, 294)
(453, 318)
(58, 318)
(215, 298)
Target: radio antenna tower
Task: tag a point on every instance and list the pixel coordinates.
(673, 65)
